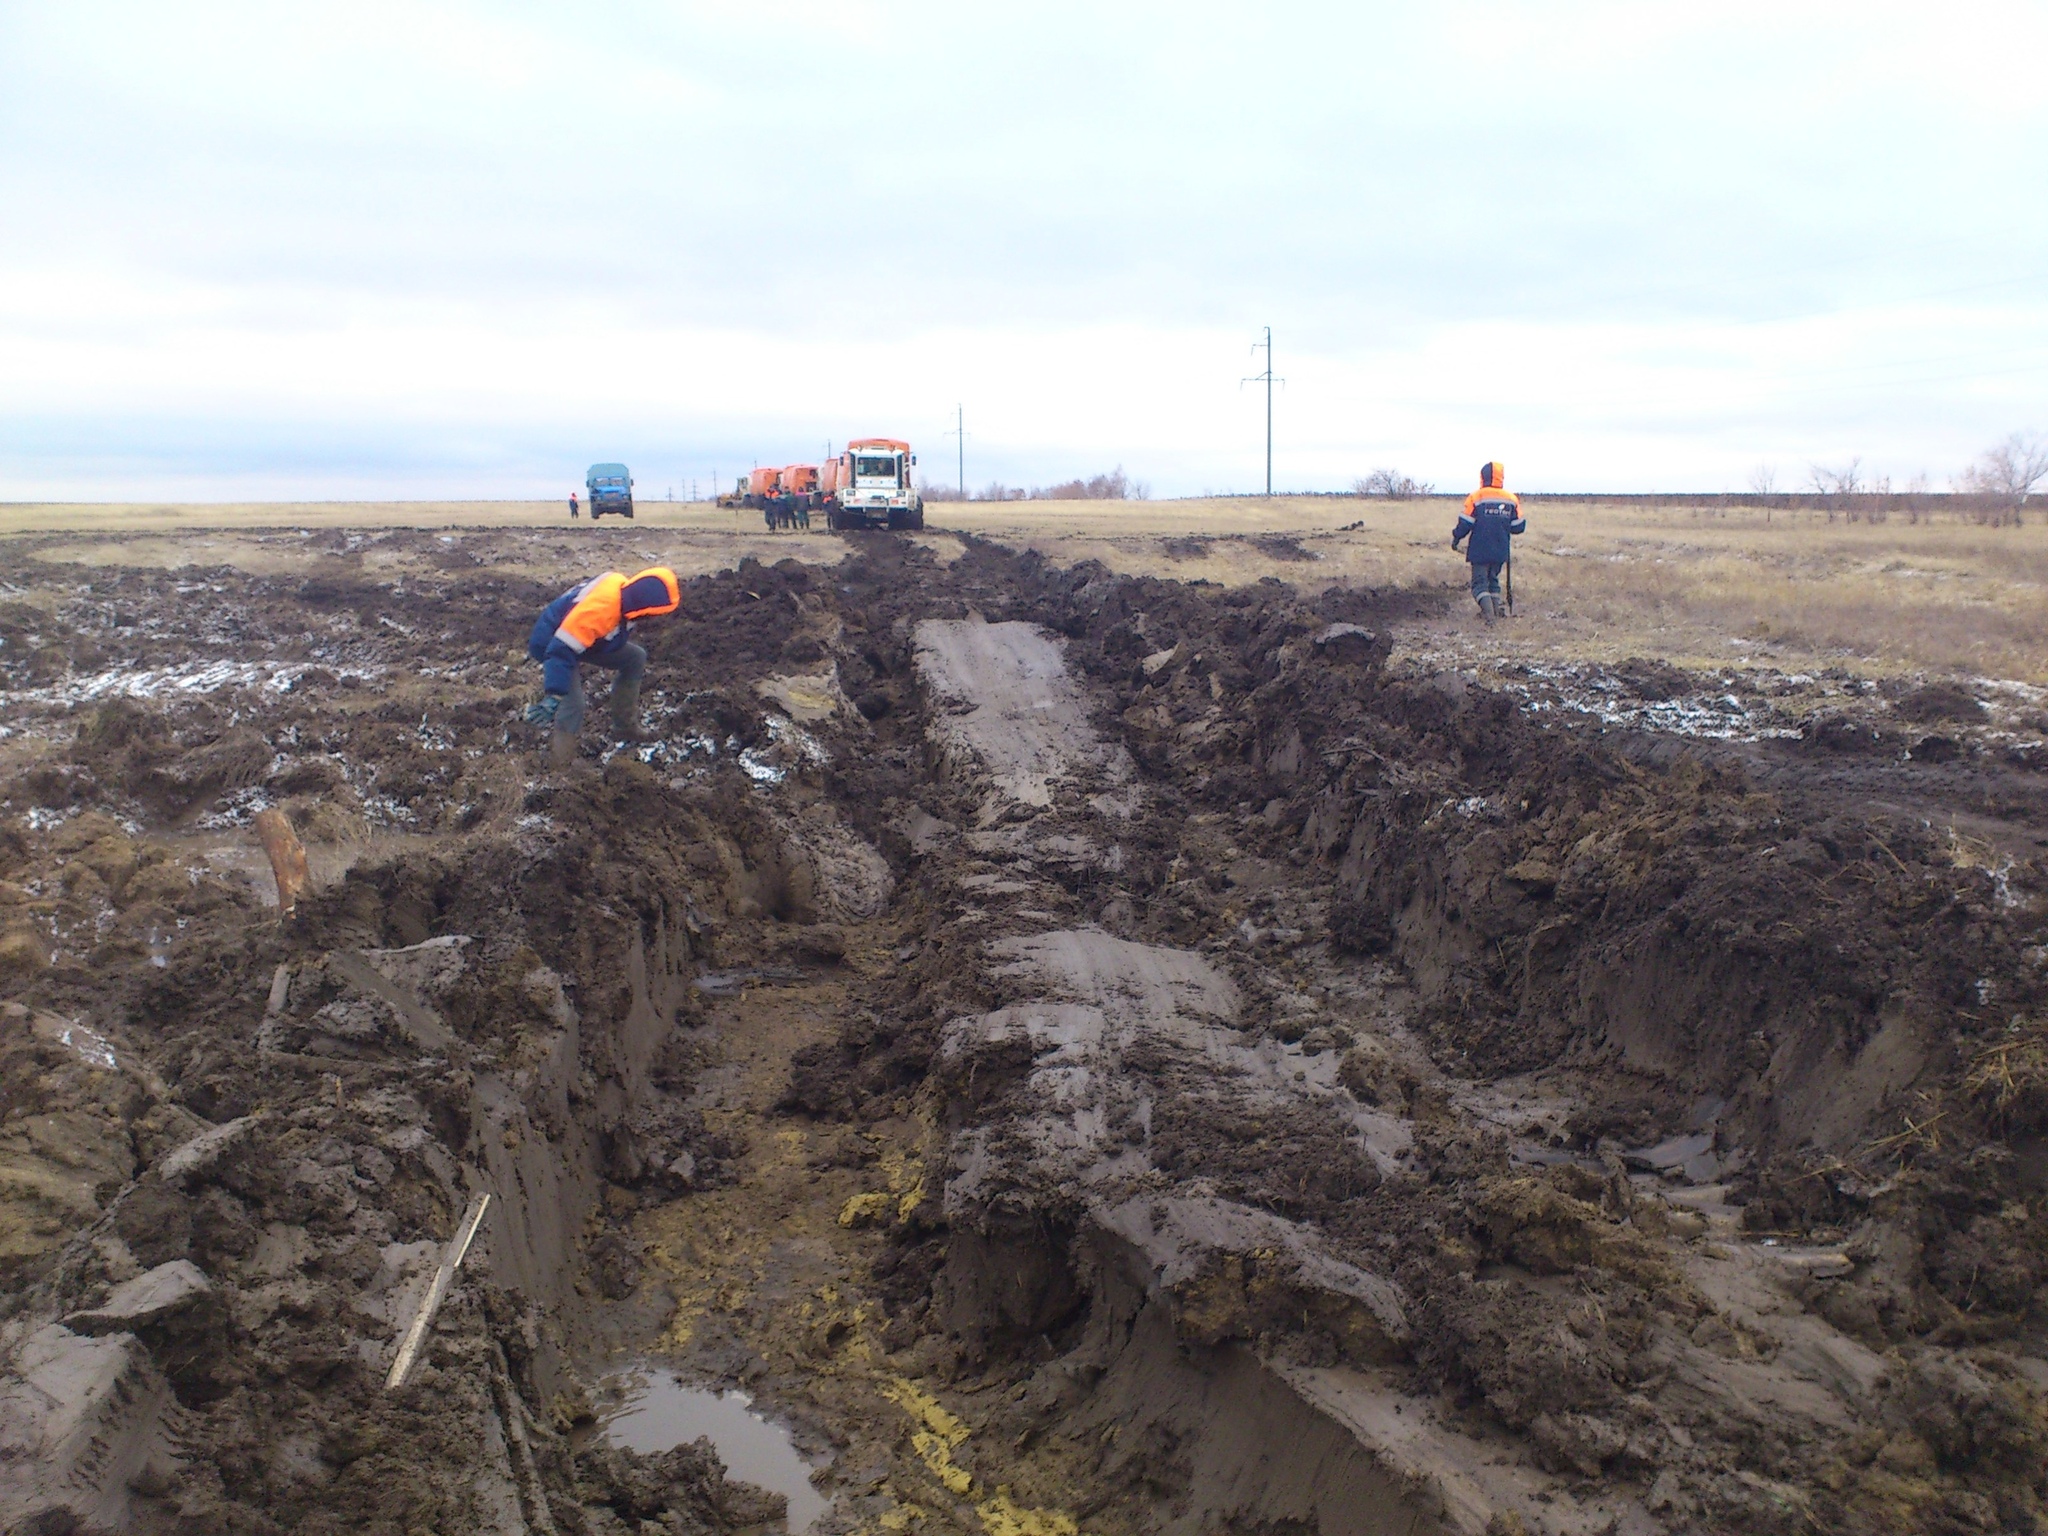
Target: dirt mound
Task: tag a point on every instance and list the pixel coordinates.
(1653, 680)
(1280, 546)
(1940, 704)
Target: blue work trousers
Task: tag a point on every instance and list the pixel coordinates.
(629, 661)
(1486, 577)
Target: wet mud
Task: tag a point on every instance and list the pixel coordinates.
(1077, 1053)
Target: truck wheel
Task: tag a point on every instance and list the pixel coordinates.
(629, 511)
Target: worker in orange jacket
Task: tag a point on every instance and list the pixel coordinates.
(593, 624)
(1491, 519)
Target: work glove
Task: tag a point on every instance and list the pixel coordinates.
(543, 713)
(1455, 542)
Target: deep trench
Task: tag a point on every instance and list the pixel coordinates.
(1244, 1092)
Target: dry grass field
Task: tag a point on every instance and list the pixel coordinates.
(1695, 586)
(1592, 581)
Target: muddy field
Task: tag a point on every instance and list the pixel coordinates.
(1080, 1052)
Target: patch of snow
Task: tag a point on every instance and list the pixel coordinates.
(135, 682)
(89, 1043)
(384, 808)
(807, 746)
(1595, 694)
(241, 809)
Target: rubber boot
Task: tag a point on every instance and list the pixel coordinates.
(1486, 607)
(561, 748)
(626, 709)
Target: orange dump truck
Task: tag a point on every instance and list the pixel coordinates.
(763, 486)
(801, 480)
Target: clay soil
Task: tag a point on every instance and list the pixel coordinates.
(1084, 1051)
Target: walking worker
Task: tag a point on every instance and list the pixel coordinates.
(593, 624)
(1492, 516)
(572, 503)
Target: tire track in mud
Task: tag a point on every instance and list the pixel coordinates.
(1080, 1095)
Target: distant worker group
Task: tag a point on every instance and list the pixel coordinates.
(1491, 519)
(868, 485)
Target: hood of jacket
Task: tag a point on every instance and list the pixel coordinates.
(650, 592)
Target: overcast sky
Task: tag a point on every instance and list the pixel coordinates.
(425, 249)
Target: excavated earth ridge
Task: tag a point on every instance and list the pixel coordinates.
(1083, 1053)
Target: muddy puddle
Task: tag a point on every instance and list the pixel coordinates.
(1025, 1052)
(651, 1410)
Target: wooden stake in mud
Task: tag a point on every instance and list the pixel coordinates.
(287, 858)
(444, 1277)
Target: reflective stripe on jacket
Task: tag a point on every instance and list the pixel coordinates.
(1490, 519)
(591, 622)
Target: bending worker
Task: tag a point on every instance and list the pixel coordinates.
(1492, 516)
(593, 623)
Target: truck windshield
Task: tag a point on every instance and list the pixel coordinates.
(879, 468)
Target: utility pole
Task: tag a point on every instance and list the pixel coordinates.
(1268, 380)
(960, 431)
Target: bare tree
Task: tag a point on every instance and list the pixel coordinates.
(2005, 476)
(1836, 488)
(1112, 486)
(1846, 481)
(1763, 480)
(1391, 485)
(1919, 496)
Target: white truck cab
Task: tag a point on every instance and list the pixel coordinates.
(876, 489)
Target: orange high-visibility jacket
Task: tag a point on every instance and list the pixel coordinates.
(591, 622)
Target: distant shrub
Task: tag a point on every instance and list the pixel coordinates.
(1113, 486)
(2004, 477)
(1390, 485)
